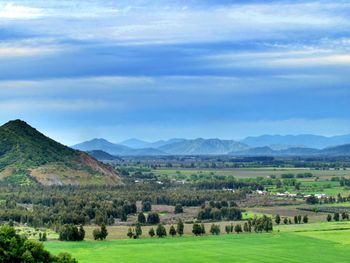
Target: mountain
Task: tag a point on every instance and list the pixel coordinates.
(341, 150)
(306, 140)
(28, 156)
(161, 143)
(103, 145)
(268, 151)
(102, 156)
(114, 149)
(135, 143)
(203, 147)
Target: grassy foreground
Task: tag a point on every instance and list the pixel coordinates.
(309, 246)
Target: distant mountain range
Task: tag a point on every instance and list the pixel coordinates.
(341, 150)
(170, 147)
(27, 156)
(305, 140)
(270, 145)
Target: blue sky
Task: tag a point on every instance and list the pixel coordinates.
(160, 69)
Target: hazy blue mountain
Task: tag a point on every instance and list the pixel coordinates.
(203, 147)
(113, 148)
(135, 143)
(268, 151)
(341, 150)
(102, 156)
(103, 145)
(161, 143)
(306, 140)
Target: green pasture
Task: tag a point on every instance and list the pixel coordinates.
(319, 242)
(246, 172)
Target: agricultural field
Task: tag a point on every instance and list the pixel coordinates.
(318, 242)
(186, 174)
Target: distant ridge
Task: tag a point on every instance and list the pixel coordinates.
(306, 140)
(28, 156)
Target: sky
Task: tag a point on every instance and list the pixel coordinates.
(158, 69)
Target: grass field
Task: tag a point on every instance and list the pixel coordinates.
(319, 242)
(247, 172)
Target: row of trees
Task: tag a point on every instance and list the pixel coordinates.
(152, 218)
(229, 213)
(297, 219)
(337, 216)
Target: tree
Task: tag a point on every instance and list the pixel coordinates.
(285, 220)
(153, 218)
(180, 227)
(202, 229)
(71, 232)
(100, 234)
(299, 219)
(179, 209)
(246, 227)
(295, 220)
(312, 200)
(329, 217)
(278, 219)
(238, 228)
(228, 229)
(104, 232)
(138, 231)
(172, 231)
(215, 229)
(146, 206)
(16, 248)
(141, 218)
(81, 233)
(130, 233)
(151, 232)
(305, 219)
(336, 216)
(161, 231)
(197, 229)
(344, 216)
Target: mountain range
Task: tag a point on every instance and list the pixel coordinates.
(28, 156)
(277, 145)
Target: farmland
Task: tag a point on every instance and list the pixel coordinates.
(318, 242)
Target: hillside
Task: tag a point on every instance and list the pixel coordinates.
(28, 156)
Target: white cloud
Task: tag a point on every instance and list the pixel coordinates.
(14, 11)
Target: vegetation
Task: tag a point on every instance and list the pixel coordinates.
(16, 248)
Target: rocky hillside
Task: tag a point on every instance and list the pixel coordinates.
(28, 156)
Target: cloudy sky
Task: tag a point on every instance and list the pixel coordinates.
(183, 68)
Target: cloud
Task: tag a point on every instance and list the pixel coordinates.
(14, 11)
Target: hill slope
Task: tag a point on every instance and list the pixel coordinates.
(28, 155)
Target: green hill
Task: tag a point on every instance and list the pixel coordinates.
(28, 156)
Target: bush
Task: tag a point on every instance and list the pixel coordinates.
(215, 229)
(146, 206)
(151, 232)
(71, 233)
(153, 218)
(14, 248)
(100, 234)
(161, 231)
(178, 209)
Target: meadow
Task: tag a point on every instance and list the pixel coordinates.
(318, 242)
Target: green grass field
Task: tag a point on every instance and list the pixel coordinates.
(319, 242)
